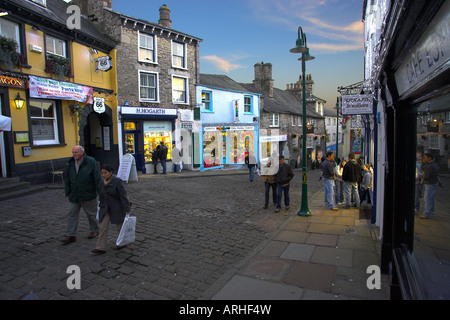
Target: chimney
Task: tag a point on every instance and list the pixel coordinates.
(263, 78)
(164, 17)
(107, 4)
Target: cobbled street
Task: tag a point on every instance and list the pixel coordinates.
(191, 232)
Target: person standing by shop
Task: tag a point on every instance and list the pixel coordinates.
(329, 176)
(176, 159)
(367, 184)
(268, 172)
(430, 178)
(81, 186)
(283, 179)
(155, 157)
(351, 175)
(250, 161)
(339, 193)
(163, 156)
(113, 206)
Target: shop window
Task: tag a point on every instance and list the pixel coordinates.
(178, 55)
(55, 46)
(207, 101)
(212, 150)
(148, 86)
(156, 132)
(147, 48)
(44, 124)
(248, 104)
(179, 90)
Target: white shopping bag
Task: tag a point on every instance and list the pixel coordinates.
(127, 233)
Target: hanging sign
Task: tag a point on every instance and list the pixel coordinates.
(99, 105)
(104, 63)
(52, 89)
(236, 110)
(357, 104)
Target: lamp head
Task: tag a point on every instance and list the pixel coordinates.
(300, 44)
(19, 101)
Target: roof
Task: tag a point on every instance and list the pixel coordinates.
(282, 102)
(329, 113)
(54, 17)
(221, 82)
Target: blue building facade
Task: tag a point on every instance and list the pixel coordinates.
(229, 123)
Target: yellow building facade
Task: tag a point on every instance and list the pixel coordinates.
(59, 89)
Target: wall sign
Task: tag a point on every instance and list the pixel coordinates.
(104, 63)
(430, 56)
(12, 82)
(148, 111)
(99, 105)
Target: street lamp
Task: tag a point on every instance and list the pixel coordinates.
(337, 129)
(301, 47)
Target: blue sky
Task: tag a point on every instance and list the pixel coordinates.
(237, 34)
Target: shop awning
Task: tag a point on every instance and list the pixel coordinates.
(5, 123)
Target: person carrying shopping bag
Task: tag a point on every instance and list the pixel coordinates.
(113, 206)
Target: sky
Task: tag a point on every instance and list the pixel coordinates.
(237, 34)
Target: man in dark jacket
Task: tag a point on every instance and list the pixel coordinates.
(329, 177)
(430, 180)
(81, 186)
(163, 156)
(351, 175)
(283, 178)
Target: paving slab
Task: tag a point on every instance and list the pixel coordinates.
(298, 251)
(333, 256)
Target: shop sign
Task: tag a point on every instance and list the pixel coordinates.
(12, 82)
(51, 89)
(357, 104)
(187, 125)
(430, 56)
(99, 105)
(273, 138)
(104, 63)
(148, 111)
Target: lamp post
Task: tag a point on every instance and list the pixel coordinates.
(301, 47)
(337, 128)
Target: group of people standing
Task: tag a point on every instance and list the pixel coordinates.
(427, 181)
(160, 154)
(347, 177)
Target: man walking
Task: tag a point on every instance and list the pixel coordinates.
(283, 178)
(163, 156)
(430, 171)
(329, 177)
(81, 187)
(351, 176)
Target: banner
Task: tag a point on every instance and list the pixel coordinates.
(52, 89)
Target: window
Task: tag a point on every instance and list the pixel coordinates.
(148, 89)
(447, 117)
(41, 2)
(434, 141)
(178, 55)
(10, 30)
(55, 46)
(147, 48)
(44, 124)
(179, 90)
(292, 120)
(300, 121)
(248, 104)
(274, 120)
(206, 100)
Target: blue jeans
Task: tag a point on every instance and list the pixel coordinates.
(175, 168)
(329, 192)
(274, 187)
(430, 192)
(280, 191)
(339, 192)
(251, 171)
(163, 164)
(418, 195)
(351, 188)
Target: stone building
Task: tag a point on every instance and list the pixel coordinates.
(281, 118)
(157, 73)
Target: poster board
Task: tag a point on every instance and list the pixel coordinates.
(127, 168)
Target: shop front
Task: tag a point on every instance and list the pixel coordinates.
(227, 146)
(143, 129)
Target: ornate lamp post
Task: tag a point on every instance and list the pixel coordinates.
(301, 47)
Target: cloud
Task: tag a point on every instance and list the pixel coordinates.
(221, 63)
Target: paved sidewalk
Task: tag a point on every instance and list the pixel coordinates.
(321, 257)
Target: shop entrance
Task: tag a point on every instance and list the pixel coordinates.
(133, 134)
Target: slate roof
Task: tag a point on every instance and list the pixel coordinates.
(221, 82)
(54, 17)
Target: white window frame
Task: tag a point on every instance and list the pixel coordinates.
(186, 89)
(251, 104)
(300, 122)
(274, 120)
(210, 101)
(54, 118)
(434, 141)
(47, 49)
(156, 74)
(184, 57)
(16, 31)
(154, 49)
